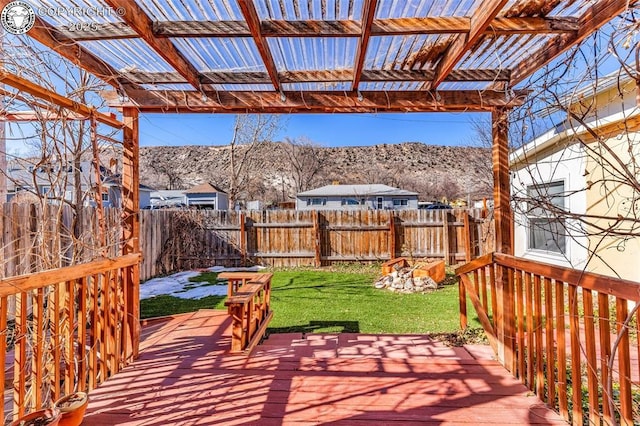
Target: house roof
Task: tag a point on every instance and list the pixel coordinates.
(606, 124)
(356, 190)
(204, 188)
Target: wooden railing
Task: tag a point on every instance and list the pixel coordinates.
(249, 305)
(74, 327)
(569, 335)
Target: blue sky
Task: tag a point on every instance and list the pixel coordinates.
(324, 129)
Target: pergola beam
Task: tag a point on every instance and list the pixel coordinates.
(250, 14)
(596, 16)
(49, 36)
(316, 102)
(47, 95)
(368, 13)
(458, 48)
(138, 20)
(342, 28)
(325, 76)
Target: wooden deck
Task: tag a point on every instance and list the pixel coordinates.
(184, 376)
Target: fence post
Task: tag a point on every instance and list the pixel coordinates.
(445, 237)
(392, 235)
(316, 239)
(467, 237)
(243, 240)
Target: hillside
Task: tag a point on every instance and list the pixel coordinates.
(433, 171)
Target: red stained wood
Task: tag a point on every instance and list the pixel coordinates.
(405, 379)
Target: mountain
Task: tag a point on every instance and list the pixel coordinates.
(272, 174)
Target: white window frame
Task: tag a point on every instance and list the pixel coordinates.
(557, 244)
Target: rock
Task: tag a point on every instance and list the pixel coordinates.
(408, 284)
(380, 283)
(429, 283)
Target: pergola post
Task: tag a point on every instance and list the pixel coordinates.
(131, 224)
(503, 234)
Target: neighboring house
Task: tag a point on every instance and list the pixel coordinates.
(49, 180)
(570, 174)
(207, 196)
(164, 198)
(112, 193)
(356, 197)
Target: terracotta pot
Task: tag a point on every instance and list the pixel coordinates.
(72, 408)
(48, 417)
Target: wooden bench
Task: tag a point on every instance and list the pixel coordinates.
(249, 305)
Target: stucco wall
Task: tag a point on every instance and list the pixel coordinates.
(566, 166)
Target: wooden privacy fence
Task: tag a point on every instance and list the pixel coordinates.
(571, 336)
(82, 328)
(179, 239)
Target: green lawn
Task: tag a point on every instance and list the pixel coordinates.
(330, 301)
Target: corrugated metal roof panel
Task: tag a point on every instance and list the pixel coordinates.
(410, 52)
(338, 85)
(313, 53)
(423, 8)
(221, 54)
(133, 54)
(298, 10)
(65, 12)
(191, 10)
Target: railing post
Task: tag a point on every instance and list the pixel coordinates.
(131, 222)
(503, 233)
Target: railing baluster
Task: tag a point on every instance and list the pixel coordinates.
(82, 336)
(537, 324)
(624, 362)
(38, 344)
(20, 362)
(483, 286)
(592, 363)
(521, 332)
(4, 314)
(529, 314)
(94, 364)
(494, 297)
(68, 338)
(462, 301)
(563, 402)
(604, 327)
(576, 370)
(57, 353)
(549, 316)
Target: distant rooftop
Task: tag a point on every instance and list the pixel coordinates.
(359, 190)
(204, 188)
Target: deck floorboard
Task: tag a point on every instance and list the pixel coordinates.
(185, 376)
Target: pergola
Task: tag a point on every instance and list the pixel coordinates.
(311, 56)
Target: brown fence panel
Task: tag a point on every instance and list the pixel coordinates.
(281, 237)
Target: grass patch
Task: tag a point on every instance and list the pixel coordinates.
(160, 306)
(322, 301)
(205, 277)
(336, 300)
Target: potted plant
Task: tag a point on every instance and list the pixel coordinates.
(47, 417)
(72, 408)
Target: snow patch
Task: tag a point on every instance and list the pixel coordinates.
(178, 284)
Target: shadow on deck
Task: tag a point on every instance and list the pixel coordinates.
(185, 376)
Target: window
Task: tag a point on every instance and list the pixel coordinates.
(546, 227)
(352, 202)
(105, 196)
(316, 201)
(400, 202)
(379, 201)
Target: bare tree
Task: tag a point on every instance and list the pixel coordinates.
(250, 133)
(306, 163)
